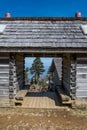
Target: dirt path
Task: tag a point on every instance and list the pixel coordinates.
(25, 119)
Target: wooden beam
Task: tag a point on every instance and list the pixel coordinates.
(43, 50)
(69, 74)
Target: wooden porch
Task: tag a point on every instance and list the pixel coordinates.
(27, 99)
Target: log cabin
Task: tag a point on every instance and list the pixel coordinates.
(43, 37)
(81, 80)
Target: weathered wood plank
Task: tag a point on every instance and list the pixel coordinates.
(4, 75)
(81, 76)
(21, 94)
(69, 74)
(16, 72)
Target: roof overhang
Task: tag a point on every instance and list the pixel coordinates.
(33, 50)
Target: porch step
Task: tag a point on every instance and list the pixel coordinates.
(65, 99)
(20, 97)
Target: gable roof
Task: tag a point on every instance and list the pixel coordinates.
(56, 65)
(43, 33)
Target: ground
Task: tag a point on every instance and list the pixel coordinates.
(43, 119)
(40, 111)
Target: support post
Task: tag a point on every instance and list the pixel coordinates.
(73, 76)
(11, 76)
(15, 74)
(69, 74)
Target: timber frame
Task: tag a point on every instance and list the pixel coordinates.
(69, 74)
(42, 50)
(42, 37)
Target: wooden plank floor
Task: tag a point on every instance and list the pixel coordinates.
(40, 100)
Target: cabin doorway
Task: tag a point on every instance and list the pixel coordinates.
(39, 89)
(44, 83)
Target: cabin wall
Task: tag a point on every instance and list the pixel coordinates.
(4, 80)
(16, 73)
(81, 78)
(56, 78)
(57, 74)
(4, 75)
(69, 75)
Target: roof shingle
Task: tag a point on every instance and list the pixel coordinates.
(43, 33)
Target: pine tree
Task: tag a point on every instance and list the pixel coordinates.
(37, 68)
(26, 74)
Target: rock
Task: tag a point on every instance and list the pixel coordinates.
(9, 117)
(20, 121)
(48, 121)
(48, 115)
(64, 116)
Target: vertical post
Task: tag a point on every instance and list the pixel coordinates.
(66, 73)
(73, 76)
(23, 70)
(69, 74)
(11, 76)
(15, 74)
(19, 71)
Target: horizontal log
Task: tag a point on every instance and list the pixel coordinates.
(4, 79)
(4, 71)
(81, 93)
(1, 58)
(19, 60)
(4, 91)
(80, 80)
(4, 65)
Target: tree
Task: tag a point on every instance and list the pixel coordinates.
(26, 72)
(37, 68)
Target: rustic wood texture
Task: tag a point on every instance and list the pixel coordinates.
(16, 74)
(81, 75)
(41, 100)
(40, 33)
(65, 99)
(56, 70)
(4, 76)
(21, 94)
(74, 75)
(19, 70)
(69, 75)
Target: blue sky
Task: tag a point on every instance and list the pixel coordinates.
(66, 8)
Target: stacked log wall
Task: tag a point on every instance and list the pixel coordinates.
(16, 74)
(4, 75)
(4, 80)
(69, 75)
(81, 75)
(12, 71)
(56, 78)
(57, 74)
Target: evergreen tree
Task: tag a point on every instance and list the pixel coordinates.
(37, 68)
(26, 72)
